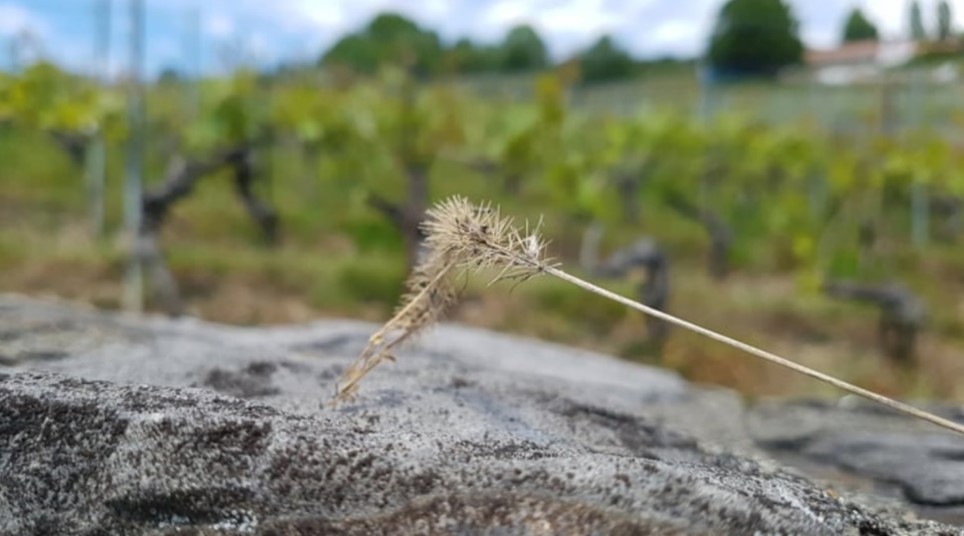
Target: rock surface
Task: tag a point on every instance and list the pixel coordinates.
(874, 447)
(111, 425)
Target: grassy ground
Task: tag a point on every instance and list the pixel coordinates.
(241, 282)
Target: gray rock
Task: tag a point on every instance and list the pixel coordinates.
(880, 449)
(152, 426)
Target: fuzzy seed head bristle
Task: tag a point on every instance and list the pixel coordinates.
(459, 236)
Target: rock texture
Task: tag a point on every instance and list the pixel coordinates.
(124, 426)
(874, 447)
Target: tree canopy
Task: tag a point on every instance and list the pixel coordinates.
(391, 38)
(604, 61)
(917, 30)
(859, 28)
(523, 50)
(945, 21)
(468, 57)
(388, 38)
(754, 37)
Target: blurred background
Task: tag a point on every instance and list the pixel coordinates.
(788, 172)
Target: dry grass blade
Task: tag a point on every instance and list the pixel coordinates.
(464, 236)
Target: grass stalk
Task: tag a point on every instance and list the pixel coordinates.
(464, 236)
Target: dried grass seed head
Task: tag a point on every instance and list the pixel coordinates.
(479, 237)
(459, 235)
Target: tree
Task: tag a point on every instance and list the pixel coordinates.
(917, 31)
(523, 50)
(169, 76)
(604, 60)
(944, 21)
(355, 51)
(389, 38)
(859, 28)
(467, 57)
(755, 37)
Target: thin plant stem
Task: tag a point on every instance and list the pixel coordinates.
(477, 237)
(750, 349)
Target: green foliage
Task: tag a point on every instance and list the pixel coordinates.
(523, 50)
(372, 282)
(389, 39)
(945, 21)
(605, 61)
(755, 37)
(46, 98)
(598, 315)
(37, 175)
(859, 28)
(356, 51)
(392, 40)
(793, 197)
(234, 113)
(468, 57)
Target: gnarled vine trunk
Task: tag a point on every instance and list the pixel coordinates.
(643, 254)
(901, 314)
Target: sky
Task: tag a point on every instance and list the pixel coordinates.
(266, 32)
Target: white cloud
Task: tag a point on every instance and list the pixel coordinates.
(675, 28)
(891, 18)
(677, 35)
(260, 47)
(584, 18)
(15, 19)
(301, 12)
(219, 26)
(29, 31)
(506, 13)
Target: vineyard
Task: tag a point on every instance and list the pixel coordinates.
(286, 198)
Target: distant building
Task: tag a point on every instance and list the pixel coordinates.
(859, 61)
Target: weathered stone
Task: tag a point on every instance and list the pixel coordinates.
(181, 427)
(912, 461)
